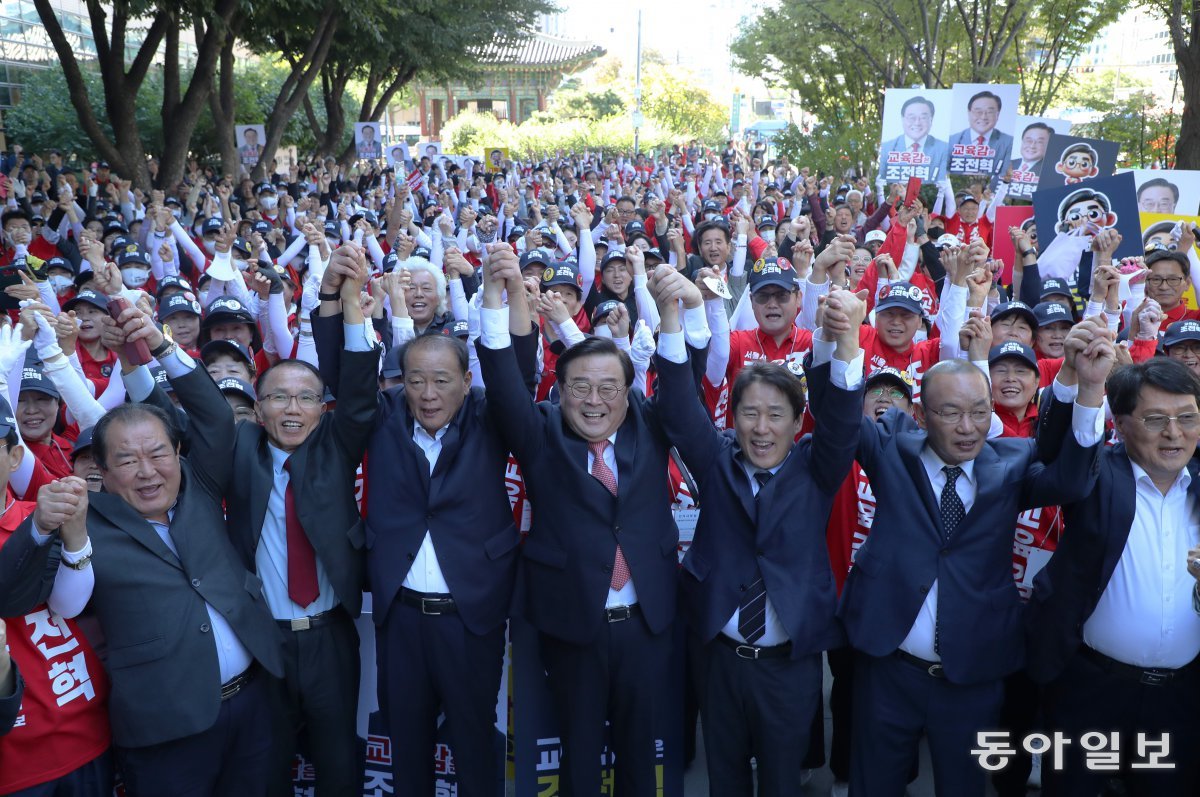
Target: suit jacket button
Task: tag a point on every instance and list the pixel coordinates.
(606, 568)
(616, 529)
(411, 557)
(742, 587)
(195, 582)
(205, 628)
(429, 516)
(759, 553)
(924, 590)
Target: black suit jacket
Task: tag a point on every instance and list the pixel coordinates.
(568, 557)
(10, 706)
(1066, 591)
(781, 534)
(322, 470)
(166, 681)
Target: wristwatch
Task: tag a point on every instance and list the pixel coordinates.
(329, 297)
(83, 563)
(163, 349)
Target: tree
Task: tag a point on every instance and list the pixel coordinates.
(1125, 111)
(1183, 23)
(574, 102)
(1048, 45)
(682, 107)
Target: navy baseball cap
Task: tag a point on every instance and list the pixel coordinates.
(894, 375)
(602, 310)
(264, 187)
(711, 206)
(332, 228)
(114, 226)
(34, 378)
(903, 295)
(175, 282)
(60, 262)
(8, 421)
(516, 232)
(1015, 308)
(1011, 349)
(459, 329)
(611, 256)
(562, 273)
(772, 271)
(132, 254)
(94, 298)
(82, 442)
(225, 310)
(223, 346)
(261, 227)
(1181, 331)
(635, 229)
(422, 251)
(178, 303)
(392, 367)
(765, 222)
(212, 225)
(242, 245)
(538, 258)
(1055, 287)
(240, 387)
(390, 260)
(1052, 313)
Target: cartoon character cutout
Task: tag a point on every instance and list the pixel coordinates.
(1086, 212)
(1077, 163)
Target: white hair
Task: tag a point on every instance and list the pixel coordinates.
(415, 264)
(853, 192)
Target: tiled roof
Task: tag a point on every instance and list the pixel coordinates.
(538, 49)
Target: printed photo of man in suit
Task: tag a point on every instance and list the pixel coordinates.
(916, 153)
(981, 148)
(1027, 168)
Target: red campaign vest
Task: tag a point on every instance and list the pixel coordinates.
(55, 456)
(98, 371)
(63, 722)
(514, 482)
(850, 522)
(750, 345)
(918, 359)
(716, 399)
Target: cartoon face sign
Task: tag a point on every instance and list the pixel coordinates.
(1086, 208)
(1077, 163)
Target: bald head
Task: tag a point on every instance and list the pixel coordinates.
(955, 409)
(951, 368)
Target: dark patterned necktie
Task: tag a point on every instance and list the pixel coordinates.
(953, 512)
(752, 611)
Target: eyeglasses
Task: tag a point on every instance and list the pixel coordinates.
(951, 417)
(607, 392)
(243, 413)
(893, 393)
(1158, 282)
(1156, 423)
(766, 297)
(306, 400)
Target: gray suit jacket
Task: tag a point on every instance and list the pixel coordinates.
(1001, 142)
(162, 661)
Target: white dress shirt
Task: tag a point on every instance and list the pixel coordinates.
(425, 575)
(271, 555)
(1087, 424)
(1145, 616)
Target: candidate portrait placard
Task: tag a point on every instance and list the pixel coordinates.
(983, 119)
(494, 158)
(914, 135)
(430, 149)
(249, 140)
(1029, 151)
(367, 141)
(1069, 217)
(1168, 191)
(1071, 160)
(397, 154)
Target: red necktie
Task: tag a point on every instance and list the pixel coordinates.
(604, 474)
(979, 141)
(916, 147)
(302, 560)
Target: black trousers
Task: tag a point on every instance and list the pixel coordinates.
(1018, 716)
(757, 709)
(233, 758)
(841, 666)
(1090, 697)
(624, 678)
(895, 703)
(430, 664)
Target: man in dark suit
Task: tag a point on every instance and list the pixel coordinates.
(981, 148)
(599, 565)
(930, 605)
(187, 629)
(441, 555)
(757, 586)
(1114, 629)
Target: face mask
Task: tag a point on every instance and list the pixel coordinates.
(60, 283)
(269, 202)
(134, 277)
(210, 247)
(711, 216)
(37, 210)
(242, 265)
(177, 213)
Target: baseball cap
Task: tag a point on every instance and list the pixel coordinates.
(174, 282)
(213, 225)
(391, 367)
(231, 384)
(772, 271)
(227, 309)
(613, 254)
(903, 295)
(94, 298)
(178, 303)
(1015, 308)
(562, 273)
(242, 245)
(635, 229)
(889, 374)
(132, 254)
(262, 227)
(1012, 349)
(8, 421)
(421, 251)
(875, 235)
(767, 221)
(264, 186)
(965, 196)
(223, 346)
(516, 232)
(82, 442)
(160, 378)
(114, 226)
(33, 378)
(333, 229)
(1181, 331)
(535, 257)
(459, 329)
(59, 262)
(1051, 313)
(602, 310)
(711, 206)
(1054, 286)
(947, 239)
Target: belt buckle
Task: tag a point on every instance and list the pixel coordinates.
(935, 670)
(1154, 677)
(618, 613)
(752, 654)
(301, 624)
(426, 603)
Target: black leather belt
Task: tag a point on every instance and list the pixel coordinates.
(615, 614)
(309, 623)
(931, 668)
(1150, 676)
(428, 603)
(755, 652)
(238, 682)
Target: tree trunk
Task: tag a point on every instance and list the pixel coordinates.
(291, 93)
(221, 105)
(372, 109)
(1187, 147)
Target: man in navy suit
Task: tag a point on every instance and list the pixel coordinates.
(981, 148)
(599, 578)
(930, 605)
(915, 153)
(757, 586)
(1115, 632)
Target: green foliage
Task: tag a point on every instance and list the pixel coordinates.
(470, 133)
(828, 148)
(1124, 110)
(579, 103)
(681, 107)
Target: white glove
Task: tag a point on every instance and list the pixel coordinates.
(1149, 319)
(643, 343)
(45, 340)
(12, 347)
